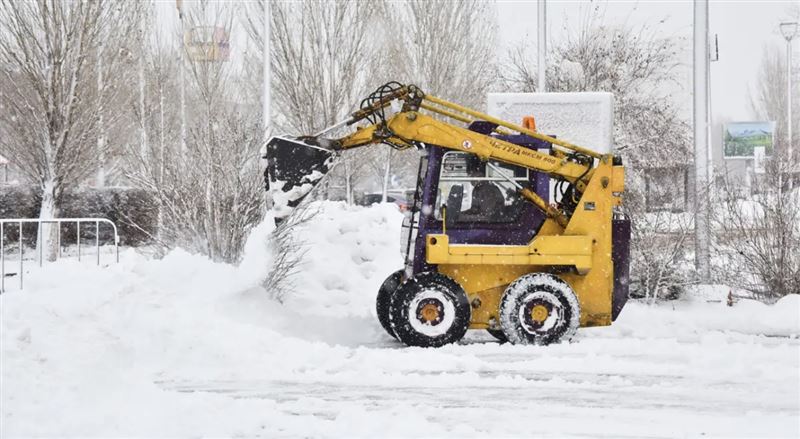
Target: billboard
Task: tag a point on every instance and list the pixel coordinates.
(740, 139)
(207, 43)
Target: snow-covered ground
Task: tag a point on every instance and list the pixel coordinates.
(186, 347)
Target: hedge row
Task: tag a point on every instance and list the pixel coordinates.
(126, 207)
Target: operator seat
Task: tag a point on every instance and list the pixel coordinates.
(487, 202)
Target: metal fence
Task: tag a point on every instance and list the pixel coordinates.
(4, 223)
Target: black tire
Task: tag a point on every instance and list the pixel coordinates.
(498, 334)
(548, 296)
(437, 300)
(385, 292)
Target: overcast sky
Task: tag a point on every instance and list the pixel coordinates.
(744, 29)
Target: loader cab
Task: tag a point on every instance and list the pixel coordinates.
(481, 206)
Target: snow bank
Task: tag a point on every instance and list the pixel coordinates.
(695, 316)
(187, 347)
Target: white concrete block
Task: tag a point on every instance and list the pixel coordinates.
(585, 119)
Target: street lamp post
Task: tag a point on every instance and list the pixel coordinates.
(267, 71)
(789, 30)
(702, 255)
(541, 16)
(181, 77)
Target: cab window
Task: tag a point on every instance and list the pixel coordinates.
(477, 193)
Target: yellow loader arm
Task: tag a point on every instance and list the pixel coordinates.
(412, 127)
(418, 127)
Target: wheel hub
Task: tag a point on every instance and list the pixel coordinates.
(539, 313)
(430, 311)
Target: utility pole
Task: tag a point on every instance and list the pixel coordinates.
(267, 100)
(542, 43)
(789, 30)
(701, 217)
(267, 86)
(161, 130)
(101, 129)
(712, 57)
(142, 54)
(181, 78)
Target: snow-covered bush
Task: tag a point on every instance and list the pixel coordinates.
(288, 252)
(758, 237)
(210, 195)
(661, 265)
(131, 209)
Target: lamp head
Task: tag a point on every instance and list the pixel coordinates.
(789, 30)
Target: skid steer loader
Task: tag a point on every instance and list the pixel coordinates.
(483, 247)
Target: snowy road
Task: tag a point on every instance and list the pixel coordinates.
(599, 386)
(186, 347)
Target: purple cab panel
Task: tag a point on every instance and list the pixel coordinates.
(620, 255)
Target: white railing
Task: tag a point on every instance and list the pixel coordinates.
(20, 221)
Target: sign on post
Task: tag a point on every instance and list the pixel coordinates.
(759, 159)
(740, 139)
(207, 44)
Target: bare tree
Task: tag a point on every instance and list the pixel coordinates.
(768, 100)
(321, 60)
(210, 195)
(51, 108)
(444, 47)
(637, 65)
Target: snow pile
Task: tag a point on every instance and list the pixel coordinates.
(351, 251)
(92, 344)
(186, 347)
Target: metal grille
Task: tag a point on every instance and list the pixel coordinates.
(5, 223)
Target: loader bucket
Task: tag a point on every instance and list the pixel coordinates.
(294, 167)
